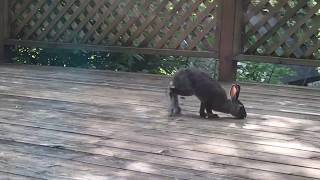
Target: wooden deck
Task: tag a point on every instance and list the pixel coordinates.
(65, 123)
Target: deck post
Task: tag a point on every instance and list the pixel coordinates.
(4, 29)
(230, 38)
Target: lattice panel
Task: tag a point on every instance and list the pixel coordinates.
(173, 24)
(285, 28)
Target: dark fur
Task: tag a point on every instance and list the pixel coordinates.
(188, 82)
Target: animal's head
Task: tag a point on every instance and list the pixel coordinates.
(237, 108)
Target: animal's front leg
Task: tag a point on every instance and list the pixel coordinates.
(209, 112)
(202, 108)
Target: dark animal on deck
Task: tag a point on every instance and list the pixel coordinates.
(188, 82)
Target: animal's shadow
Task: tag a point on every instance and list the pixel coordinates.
(222, 118)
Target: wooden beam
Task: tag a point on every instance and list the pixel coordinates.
(4, 28)
(230, 38)
(165, 52)
(279, 60)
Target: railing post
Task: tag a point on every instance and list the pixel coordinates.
(230, 37)
(4, 29)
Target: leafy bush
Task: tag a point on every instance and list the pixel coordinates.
(262, 72)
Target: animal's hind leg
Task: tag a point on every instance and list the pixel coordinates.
(174, 106)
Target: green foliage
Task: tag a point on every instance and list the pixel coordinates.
(262, 72)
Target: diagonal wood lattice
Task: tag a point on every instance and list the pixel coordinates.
(169, 24)
(285, 28)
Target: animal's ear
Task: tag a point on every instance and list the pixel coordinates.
(234, 92)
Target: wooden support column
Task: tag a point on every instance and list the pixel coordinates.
(4, 29)
(230, 38)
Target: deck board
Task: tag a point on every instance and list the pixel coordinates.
(68, 123)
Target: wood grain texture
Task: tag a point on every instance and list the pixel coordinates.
(68, 123)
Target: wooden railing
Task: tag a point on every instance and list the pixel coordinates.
(174, 26)
(282, 31)
(278, 31)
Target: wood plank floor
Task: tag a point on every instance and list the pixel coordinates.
(66, 123)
